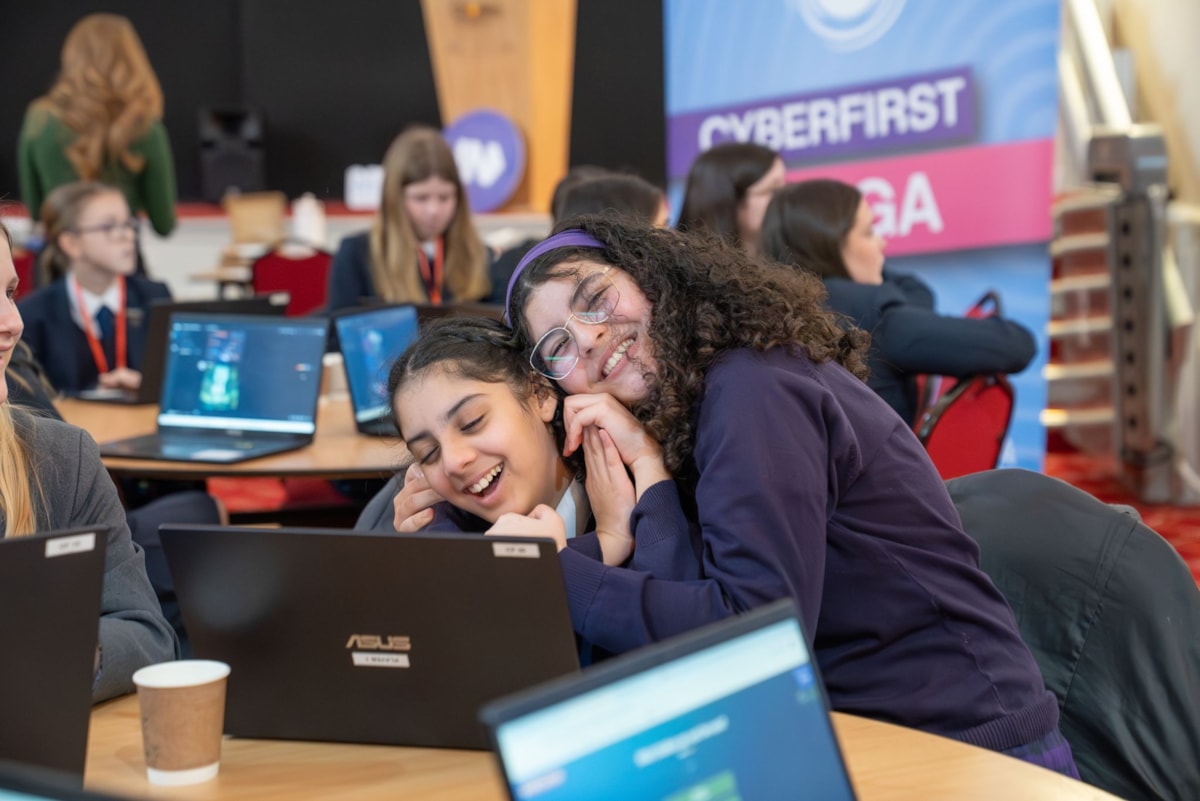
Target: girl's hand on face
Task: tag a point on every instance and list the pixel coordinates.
(541, 522)
(610, 491)
(414, 502)
(120, 378)
(639, 451)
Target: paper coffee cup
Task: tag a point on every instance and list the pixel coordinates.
(183, 714)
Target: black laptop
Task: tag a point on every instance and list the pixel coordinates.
(50, 587)
(734, 711)
(154, 356)
(370, 638)
(370, 340)
(235, 388)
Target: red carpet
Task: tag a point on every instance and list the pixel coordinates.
(1179, 525)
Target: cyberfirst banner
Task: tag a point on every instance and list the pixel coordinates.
(942, 113)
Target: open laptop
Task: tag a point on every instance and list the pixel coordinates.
(732, 711)
(235, 388)
(370, 638)
(50, 587)
(370, 340)
(154, 356)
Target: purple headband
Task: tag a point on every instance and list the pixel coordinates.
(572, 237)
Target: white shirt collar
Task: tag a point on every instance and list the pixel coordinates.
(92, 303)
(575, 509)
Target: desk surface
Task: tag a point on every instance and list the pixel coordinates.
(887, 762)
(337, 451)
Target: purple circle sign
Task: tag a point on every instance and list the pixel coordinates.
(490, 154)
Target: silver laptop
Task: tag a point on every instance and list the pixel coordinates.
(235, 388)
(370, 638)
(50, 586)
(370, 340)
(732, 712)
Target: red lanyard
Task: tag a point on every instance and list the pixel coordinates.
(432, 275)
(93, 342)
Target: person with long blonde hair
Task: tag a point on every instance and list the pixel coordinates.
(101, 121)
(51, 478)
(422, 246)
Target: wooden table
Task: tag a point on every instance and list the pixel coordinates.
(337, 451)
(885, 761)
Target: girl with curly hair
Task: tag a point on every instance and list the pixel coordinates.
(101, 121)
(796, 480)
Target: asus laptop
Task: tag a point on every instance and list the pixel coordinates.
(370, 340)
(732, 711)
(370, 638)
(153, 358)
(50, 592)
(235, 388)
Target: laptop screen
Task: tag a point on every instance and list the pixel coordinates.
(247, 373)
(370, 342)
(743, 718)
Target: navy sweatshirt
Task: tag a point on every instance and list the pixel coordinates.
(807, 486)
(909, 338)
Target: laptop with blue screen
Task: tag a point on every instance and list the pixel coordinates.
(732, 712)
(370, 340)
(234, 388)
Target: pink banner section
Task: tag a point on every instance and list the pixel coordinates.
(971, 197)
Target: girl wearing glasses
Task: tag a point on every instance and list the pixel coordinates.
(423, 246)
(87, 326)
(53, 479)
(799, 479)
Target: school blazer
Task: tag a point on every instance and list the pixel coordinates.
(61, 346)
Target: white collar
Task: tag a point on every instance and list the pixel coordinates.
(575, 509)
(92, 303)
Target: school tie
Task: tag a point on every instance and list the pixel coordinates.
(106, 322)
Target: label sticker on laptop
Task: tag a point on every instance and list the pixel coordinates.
(216, 454)
(64, 546)
(376, 659)
(516, 550)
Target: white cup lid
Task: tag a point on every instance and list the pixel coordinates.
(181, 673)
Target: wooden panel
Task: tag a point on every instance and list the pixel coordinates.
(514, 56)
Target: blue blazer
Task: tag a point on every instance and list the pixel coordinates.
(61, 346)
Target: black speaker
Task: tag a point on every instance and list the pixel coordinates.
(231, 152)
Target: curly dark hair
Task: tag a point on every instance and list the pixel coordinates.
(479, 349)
(707, 297)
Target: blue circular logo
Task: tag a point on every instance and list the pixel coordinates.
(490, 154)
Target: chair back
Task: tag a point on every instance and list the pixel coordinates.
(1110, 612)
(256, 217)
(930, 388)
(302, 272)
(964, 431)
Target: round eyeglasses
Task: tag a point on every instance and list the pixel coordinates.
(556, 352)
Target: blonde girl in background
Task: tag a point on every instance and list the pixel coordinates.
(101, 121)
(422, 246)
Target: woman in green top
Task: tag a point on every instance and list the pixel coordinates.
(101, 121)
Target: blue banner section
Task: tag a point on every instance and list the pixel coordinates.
(942, 92)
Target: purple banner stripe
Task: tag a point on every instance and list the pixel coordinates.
(841, 122)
